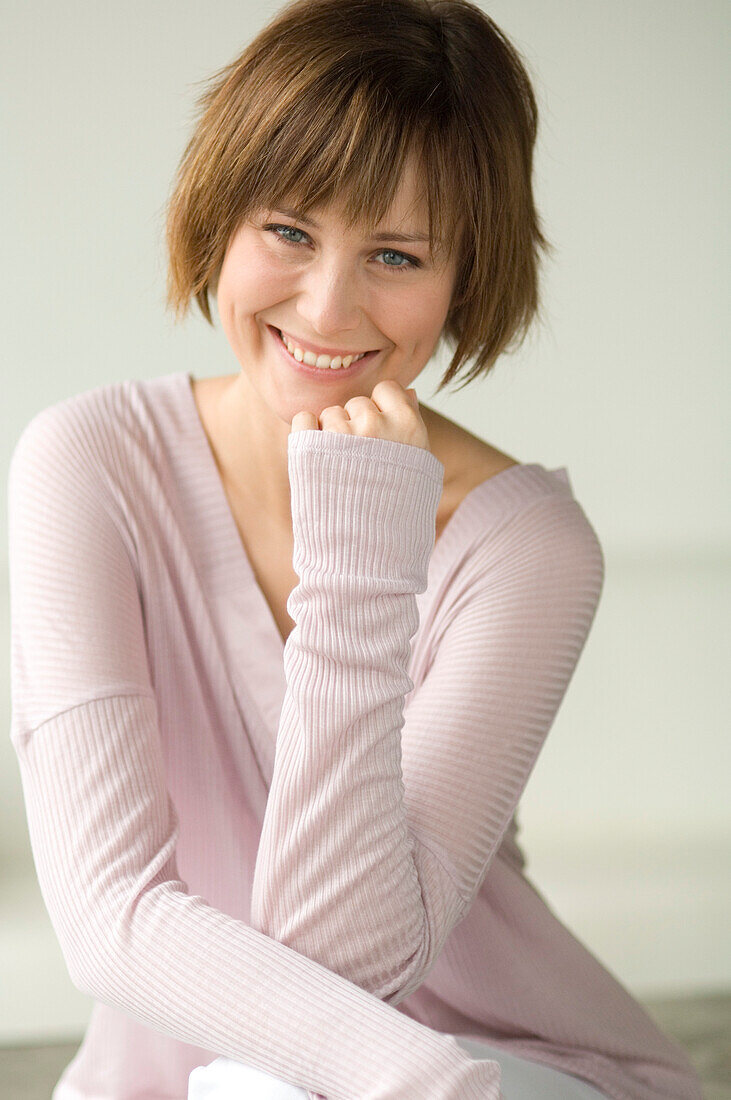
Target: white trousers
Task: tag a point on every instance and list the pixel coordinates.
(226, 1079)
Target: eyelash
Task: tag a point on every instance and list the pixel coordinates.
(411, 265)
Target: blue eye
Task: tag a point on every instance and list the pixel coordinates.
(399, 267)
(287, 228)
(411, 262)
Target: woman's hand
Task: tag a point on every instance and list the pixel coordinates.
(391, 412)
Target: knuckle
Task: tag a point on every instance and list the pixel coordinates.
(388, 383)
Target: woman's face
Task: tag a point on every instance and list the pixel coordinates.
(332, 291)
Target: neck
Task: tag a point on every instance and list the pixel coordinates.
(250, 447)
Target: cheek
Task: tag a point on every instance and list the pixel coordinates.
(248, 288)
(422, 319)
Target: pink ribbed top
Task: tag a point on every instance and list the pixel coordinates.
(301, 856)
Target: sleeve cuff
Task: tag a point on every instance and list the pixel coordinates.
(363, 506)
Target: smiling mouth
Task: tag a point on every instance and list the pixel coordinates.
(321, 361)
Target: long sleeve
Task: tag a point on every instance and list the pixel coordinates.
(383, 816)
(103, 826)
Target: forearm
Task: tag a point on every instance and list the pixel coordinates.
(339, 875)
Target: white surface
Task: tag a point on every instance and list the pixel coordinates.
(226, 1079)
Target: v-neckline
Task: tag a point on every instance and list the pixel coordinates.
(250, 644)
(227, 521)
(463, 516)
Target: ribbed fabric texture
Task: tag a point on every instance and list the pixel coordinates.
(301, 856)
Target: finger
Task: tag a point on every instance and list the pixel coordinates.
(401, 418)
(335, 419)
(389, 396)
(365, 416)
(359, 404)
(302, 421)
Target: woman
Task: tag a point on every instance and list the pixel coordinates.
(286, 643)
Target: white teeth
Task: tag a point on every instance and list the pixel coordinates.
(323, 361)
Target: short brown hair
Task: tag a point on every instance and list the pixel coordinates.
(327, 103)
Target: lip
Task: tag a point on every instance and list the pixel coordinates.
(322, 374)
(307, 346)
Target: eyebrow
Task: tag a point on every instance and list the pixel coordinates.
(388, 236)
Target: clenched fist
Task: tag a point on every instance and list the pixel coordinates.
(391, 412)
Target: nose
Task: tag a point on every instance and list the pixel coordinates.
(330, 300)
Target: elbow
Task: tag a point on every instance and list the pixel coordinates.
(98, 963)
(386, 946)
(409, 978)
(374, 963)
(86, 969)
(370, 963)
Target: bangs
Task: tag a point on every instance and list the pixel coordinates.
(312, 158)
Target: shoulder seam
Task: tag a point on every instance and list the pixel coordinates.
(86, 703)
